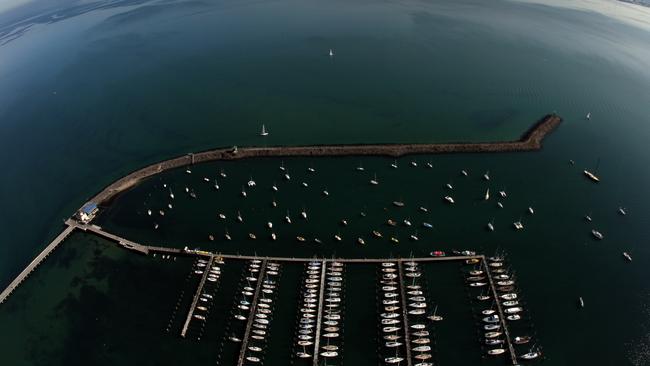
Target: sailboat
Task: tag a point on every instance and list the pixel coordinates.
(374, 181)
(487, 194)
(490, 225)
(171, 194)
(588, 116)
(486, 176)
(264, 131)
(331, 53)
(216, 185)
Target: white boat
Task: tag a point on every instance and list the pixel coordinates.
(518, 225)
(149, 212)
(287, 218)
(449, 199)
(503, 194)
(331, 53)
(531, 211)
(171, 194)
(581, 302)
(627, 256)
(517, 309)
(449, 186)
(531, 355)
(486, 176)
(394, 164)
(360, 167)
(588, 116)
(591, 176)
(464, 173)
(393, 360)
(500, 204)
(414, 163)
(374, 181)
(303, 213)
(487, 194)
(622, 211)
(597, 234)
(490, 226)
(496, 351)
(264, 131)
(325, 193)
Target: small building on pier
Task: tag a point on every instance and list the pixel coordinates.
(87, 212)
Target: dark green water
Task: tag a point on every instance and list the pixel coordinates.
(90, 91)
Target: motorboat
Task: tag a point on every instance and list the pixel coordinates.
(398, 203)
(518, 225)
(491, 319)
(591, 176)
(449, 199)
(521, 340)
(463, 173)
(486, 176)
(622, 211)
(531, 355)
(531, 211)
(514, 310)
(374, 180)
(492, 334)
(597, 234)
(437, 253)
(627, 256)
(513, 317)
(264, 131)
(496, 351)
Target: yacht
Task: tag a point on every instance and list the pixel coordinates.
(597, 234)
(627, 256)
(407, 222)
(273, 236)
(243, 192)
(222, 173)
(398, 203)
(449, 199)
(429, 165)
(518, 225)
(287, 218)
(463, 172)
(304, 184)
(311, 170)
(427, 225)
(486, 176)
(171, 194)
(377, 233)
(503, 194)
(423, 209)
(325, 193)
(337, 237)
(500, 205)
(282, 165)
(303, 213)
(588, 116)
(239, 218)
(360, 167)
(188, 171)
(264, 131)
(487, 194)
(521, 340)
(331, 53)
(622, 211)
(531, 355)
(414, 163)
(490, 226)
(149, 212)
(394, 164)
(269, 225)
(414, 237)
(496, 351)
(216, 185)
(531, 211)
(449, 186)
(361, 241)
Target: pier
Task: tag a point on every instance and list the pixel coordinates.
(531, 140)
(511, 348)
(319, 317)
(197, 294)
(35, 263)
(407, 339)
(251, 314)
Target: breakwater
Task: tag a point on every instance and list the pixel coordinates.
(531, 140)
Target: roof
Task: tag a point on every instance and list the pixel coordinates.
(88, 208)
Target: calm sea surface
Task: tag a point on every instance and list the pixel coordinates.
(90, 91)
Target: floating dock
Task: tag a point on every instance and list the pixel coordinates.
(407, 337)
(319, 317)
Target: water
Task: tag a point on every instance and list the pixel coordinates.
(90, 92)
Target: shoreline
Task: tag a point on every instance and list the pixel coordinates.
(531, 140)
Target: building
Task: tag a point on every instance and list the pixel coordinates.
(87, 212)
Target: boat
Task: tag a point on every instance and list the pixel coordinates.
(437, 253)
(518, 225)
(427, 225)
(486, 176)
(588, 116)
(521, 340)
(394, 164)
(393, 360)
(500, 205)
(487, 194)
(377, 234)
(449, 199)
(531, 355)
(303, 213)
(491, 319)
(496, 351)
(627, 256)
(591, 176)
(329, 354)
(326, 193)
(493, 342)
(398, 203)
(414, 237)
(464, 173)
(490, 226)
(516, 309)
(394, 239)
(252, 236)
(622, 211)
(331, 53)
(374, 181)
(449, 186)
(406, 222)
(580, 301)
(513, 317)
(361, 241)
(423, 209)
(301, 239)
(414, 163)
(337, 237)
(360, 167)
(597, 234)
(264, 131)
(531, 211)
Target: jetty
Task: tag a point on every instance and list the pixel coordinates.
(407, 340)
(251, 315)
(35, 263)
(531, 140)
(319, 317)
(502, 318)
(197, 294)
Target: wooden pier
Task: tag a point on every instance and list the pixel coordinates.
(35, 263)
(319, 317)
(407, 336)
(251, 315)
(511, 348)
(197, 294)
